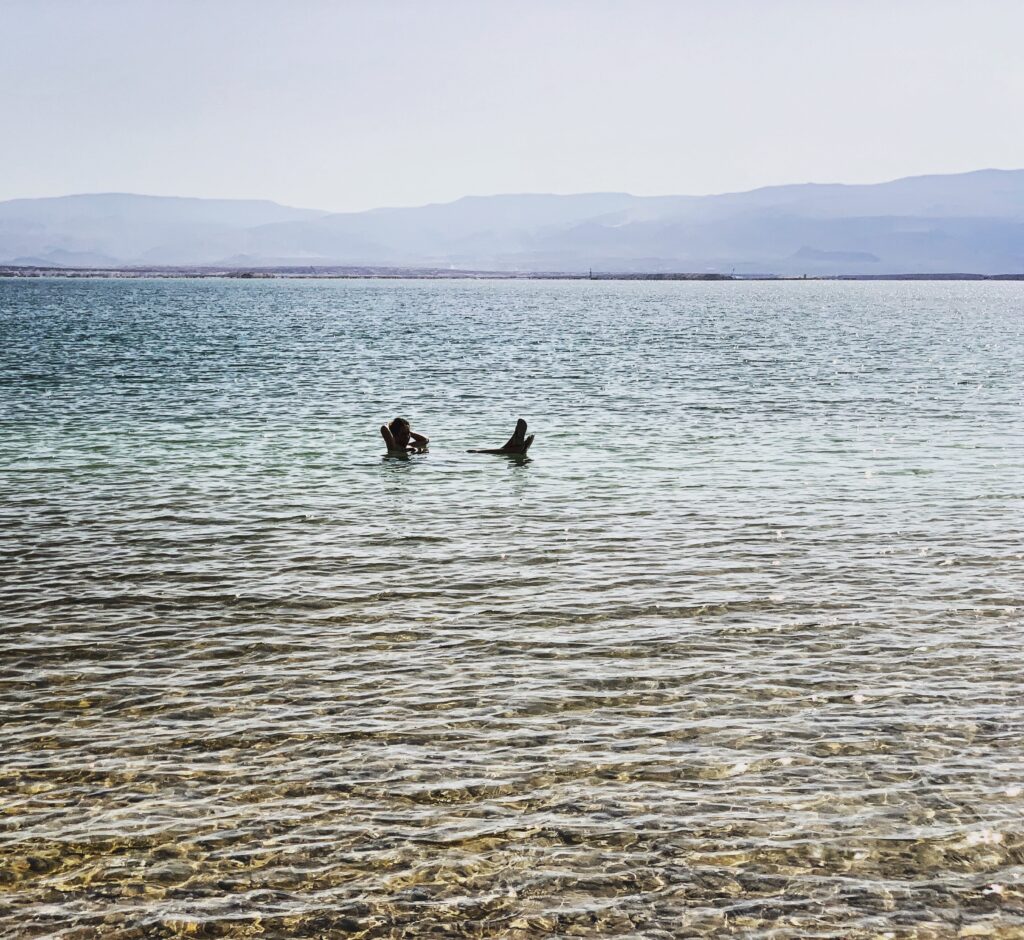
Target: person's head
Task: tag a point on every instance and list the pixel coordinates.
(399, 430)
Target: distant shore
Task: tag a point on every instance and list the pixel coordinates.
(361, 273)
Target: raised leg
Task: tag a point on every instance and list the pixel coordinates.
(518, 443)
(514, 445)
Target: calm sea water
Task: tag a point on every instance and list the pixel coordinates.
(737, 652)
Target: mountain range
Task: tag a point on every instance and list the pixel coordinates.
(968, 222)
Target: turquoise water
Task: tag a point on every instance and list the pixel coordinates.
(736, 652)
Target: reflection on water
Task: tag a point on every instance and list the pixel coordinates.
(737, 652)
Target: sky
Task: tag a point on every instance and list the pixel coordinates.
(351, 104)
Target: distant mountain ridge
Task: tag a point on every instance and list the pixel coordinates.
(968, 222)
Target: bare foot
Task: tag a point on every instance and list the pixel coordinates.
(518, 443)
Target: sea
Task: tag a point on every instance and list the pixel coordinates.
(736, 650)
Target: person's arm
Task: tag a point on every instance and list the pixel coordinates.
(421, 440)
(389, 439)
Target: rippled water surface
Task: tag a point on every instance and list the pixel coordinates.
(737, 652)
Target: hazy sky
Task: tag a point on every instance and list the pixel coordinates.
(349, 104)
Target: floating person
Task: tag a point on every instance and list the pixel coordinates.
(517, 445)
(401, 439)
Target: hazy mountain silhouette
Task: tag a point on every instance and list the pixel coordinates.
(970, 222)
(126, 229)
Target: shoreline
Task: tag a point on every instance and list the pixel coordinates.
(372, 273)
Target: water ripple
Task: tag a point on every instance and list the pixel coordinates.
(736, 653)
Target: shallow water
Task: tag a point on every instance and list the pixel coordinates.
(737, 652)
